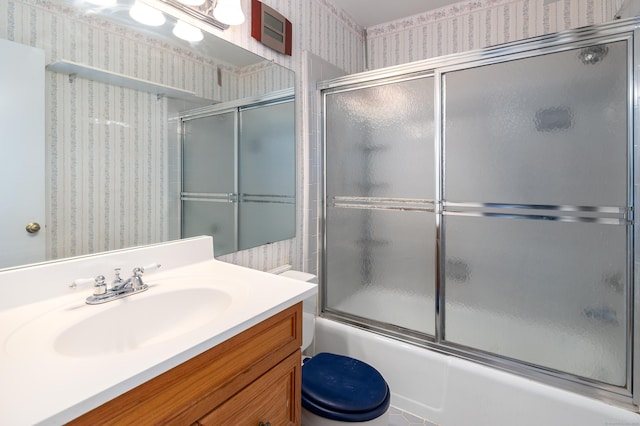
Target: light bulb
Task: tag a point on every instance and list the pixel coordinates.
(229, 12)
(146, 14)
(187, 32)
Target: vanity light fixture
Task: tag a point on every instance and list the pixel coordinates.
(187, 32)
(192, 2)
(146, 14)
(229, 12)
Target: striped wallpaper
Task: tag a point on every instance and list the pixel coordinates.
(112, 164)
(474, 24)
(109, 148)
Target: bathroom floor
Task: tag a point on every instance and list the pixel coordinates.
(402, 418)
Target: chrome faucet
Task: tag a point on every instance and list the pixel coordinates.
(133, 283)
(119, 288)
(117, 281)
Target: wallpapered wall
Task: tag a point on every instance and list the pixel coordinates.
(112, 162)
(474, 24)
(319, 27)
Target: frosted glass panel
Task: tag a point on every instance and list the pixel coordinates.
(245, 156)
(209, 154)
(267, 174)
(264, 223)
(381, 265)
(550, 129)
(380, 141)
(210, 218)
(267, 150)
(545, 292)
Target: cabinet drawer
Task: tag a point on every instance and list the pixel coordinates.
(272, 398)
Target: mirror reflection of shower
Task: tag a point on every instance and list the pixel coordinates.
(238, 172)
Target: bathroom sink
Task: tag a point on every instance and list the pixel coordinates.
(127, 324)
(136, 323)
(62, 357)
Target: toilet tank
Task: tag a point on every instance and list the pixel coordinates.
(309, 306)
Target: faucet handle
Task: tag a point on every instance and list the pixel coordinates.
(100, 286)
(81, 282)
(117, 279)
(150, 268)
(136, 279)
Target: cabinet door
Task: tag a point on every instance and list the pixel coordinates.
(273, 398)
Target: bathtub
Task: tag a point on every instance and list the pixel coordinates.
(451, 391)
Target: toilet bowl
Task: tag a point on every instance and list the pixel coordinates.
(338, 390)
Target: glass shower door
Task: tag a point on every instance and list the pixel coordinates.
(536, 203)
(267, 173)
(380, 190)
(209, 183)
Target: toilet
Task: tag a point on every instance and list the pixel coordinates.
(336, 389)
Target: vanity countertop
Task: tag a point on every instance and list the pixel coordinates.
(41, 385)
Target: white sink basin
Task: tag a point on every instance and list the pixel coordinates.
(124, 325)
(140, 322)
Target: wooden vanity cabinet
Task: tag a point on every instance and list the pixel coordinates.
(251, 378)
(268, 399)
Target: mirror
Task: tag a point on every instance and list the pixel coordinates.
(243, 180)
(113, 91)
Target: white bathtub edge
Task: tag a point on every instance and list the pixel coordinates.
(451, 391)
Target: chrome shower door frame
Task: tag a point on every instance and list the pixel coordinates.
(627, 396)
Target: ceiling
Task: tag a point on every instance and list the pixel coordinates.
(368, 12)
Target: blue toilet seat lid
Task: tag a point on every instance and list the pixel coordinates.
(343, 388)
